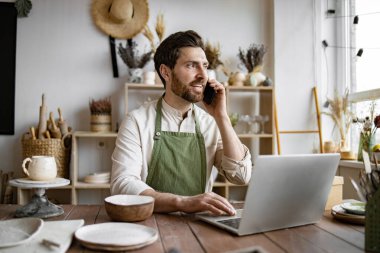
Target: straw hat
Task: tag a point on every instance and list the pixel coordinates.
(121, 19)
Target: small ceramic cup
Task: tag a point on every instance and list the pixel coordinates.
(149, 77)
(40, 168)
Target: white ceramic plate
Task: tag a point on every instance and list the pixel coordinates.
(354, 207)
(18, 231)
(340, 214)
(27, 180)
(116, 236)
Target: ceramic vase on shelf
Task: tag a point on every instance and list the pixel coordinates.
(258, 74)
(149, 77)
(250, 80)
(366, 141)
(345, 152)
(135, 75)
(101, 123)
(236, 79)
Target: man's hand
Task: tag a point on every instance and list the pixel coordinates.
(209, 201)
(212, 202)
(218, 106)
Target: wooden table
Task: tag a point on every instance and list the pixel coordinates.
(185, 234)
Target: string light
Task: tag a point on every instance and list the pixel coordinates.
(331, 11)
(356, 20)
(353, 16)
(358, 54)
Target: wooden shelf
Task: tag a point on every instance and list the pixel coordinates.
(224, 184)
(90, 134)
(144, 86)
(255, 136)
(83, 185)
(249, 88)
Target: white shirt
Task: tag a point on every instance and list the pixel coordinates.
(134, 146)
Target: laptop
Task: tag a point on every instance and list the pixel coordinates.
(284, 191)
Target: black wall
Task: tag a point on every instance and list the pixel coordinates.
(8, 26)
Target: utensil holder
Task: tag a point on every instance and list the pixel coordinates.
(372, 223)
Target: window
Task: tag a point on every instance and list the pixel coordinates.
(363, 46)
(366, 38)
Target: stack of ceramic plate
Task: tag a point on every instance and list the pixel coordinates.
(116, 236)
(352, 212)
(97, 178)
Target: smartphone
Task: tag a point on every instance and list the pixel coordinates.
(208, 94)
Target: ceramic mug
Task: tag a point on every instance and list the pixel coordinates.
(40, 168)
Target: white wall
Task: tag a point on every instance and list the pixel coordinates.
(62, 54)
(296, 72)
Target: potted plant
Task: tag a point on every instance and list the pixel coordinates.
(101, 120)
(253, 61)
(342, 117)
(135, 62)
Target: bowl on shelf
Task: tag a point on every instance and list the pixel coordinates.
(129, 207)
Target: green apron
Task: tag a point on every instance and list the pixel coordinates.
(178, 163)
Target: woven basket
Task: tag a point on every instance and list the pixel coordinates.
(372, 223)
(50, 147)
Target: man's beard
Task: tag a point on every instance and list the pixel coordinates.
(182, 90)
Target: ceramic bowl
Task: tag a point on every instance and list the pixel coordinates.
(129, 207)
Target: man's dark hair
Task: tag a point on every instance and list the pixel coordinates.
(168, 51)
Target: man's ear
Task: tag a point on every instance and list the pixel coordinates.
(165, 72)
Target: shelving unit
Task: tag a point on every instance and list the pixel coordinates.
(76, 184)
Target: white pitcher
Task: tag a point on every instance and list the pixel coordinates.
(40, 168)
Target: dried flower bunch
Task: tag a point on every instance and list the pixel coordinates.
(101, 106)
(340, 114)
(213, 55)
(253, 57)
(369, 124)
(130, 55)
(160, 32)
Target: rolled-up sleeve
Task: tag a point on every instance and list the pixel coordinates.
(128, 174)
(236, 172)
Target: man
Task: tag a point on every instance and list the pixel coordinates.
(167, 148)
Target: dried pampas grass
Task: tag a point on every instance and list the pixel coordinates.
(340, 114)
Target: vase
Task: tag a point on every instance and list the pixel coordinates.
(101, 123)
(251, 80)
(236, 79)
(135, 75)
(150, 77)
(260, 77)
(366, 142)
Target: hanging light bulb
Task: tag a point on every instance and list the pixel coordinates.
(360, 52)
(356, 20)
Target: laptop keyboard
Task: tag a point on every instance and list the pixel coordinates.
(231, 222)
